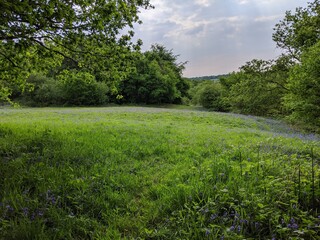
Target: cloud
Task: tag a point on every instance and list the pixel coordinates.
(203, 3)
(214, 36)
(241, 2)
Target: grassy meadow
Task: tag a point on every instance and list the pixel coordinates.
(155, 173)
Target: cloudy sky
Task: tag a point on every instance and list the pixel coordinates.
(214, 36)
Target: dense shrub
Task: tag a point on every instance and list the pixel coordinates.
(81, 88)
(42, 91)
(69, 88)
(209, 94)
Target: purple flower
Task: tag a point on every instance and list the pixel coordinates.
(239, 229)
(257, 224)
(204, 211)
(208, 231)
(213, 217)
(40, 213)
(293, 226)
(25, 211)
(9, 208)
(244, 221)
(232, 228)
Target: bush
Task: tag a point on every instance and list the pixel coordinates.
(209, 95)
(43, 91)
(81, 88)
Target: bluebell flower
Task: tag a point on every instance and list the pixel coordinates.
(232, 228)
(244, 221)
(257, 224)
(40, 213)
(208, 231)
(25, 211)
(9, 208)
(213, 217)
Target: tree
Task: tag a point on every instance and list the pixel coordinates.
(83, 31)
(298, 31)
(303, 98)
(209, 94)
(259, 87)
(157, 78)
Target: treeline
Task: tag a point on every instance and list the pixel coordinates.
(211, 77)
(154, 77)
(288, 86)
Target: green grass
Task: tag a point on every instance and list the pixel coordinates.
(153, 173)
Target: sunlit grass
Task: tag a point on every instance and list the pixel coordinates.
(154, 173)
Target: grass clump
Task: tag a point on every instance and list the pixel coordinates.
(147, 173)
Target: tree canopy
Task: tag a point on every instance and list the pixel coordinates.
(298, 30)
(87, 32)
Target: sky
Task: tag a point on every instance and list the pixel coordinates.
(214, 36)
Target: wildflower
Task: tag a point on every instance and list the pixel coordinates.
(244, 221)
(40, 213)
(204, 211)
(239, 229)
(213, 217)
(293, 226)
(257, 224)
(232, 228)
(9, 208)
(208, 231)
(25, 211)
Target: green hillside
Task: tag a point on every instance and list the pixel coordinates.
(155, 173)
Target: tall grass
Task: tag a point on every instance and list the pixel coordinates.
(146, 173)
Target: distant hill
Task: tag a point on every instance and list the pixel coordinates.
(212, 77)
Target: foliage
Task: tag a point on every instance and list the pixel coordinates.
(303, 99)
(85, 32)
(130, 173)
(69, 88)
(298, 31)
(259, 87)
(209, 94)
(81, 88)
(157, 79)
